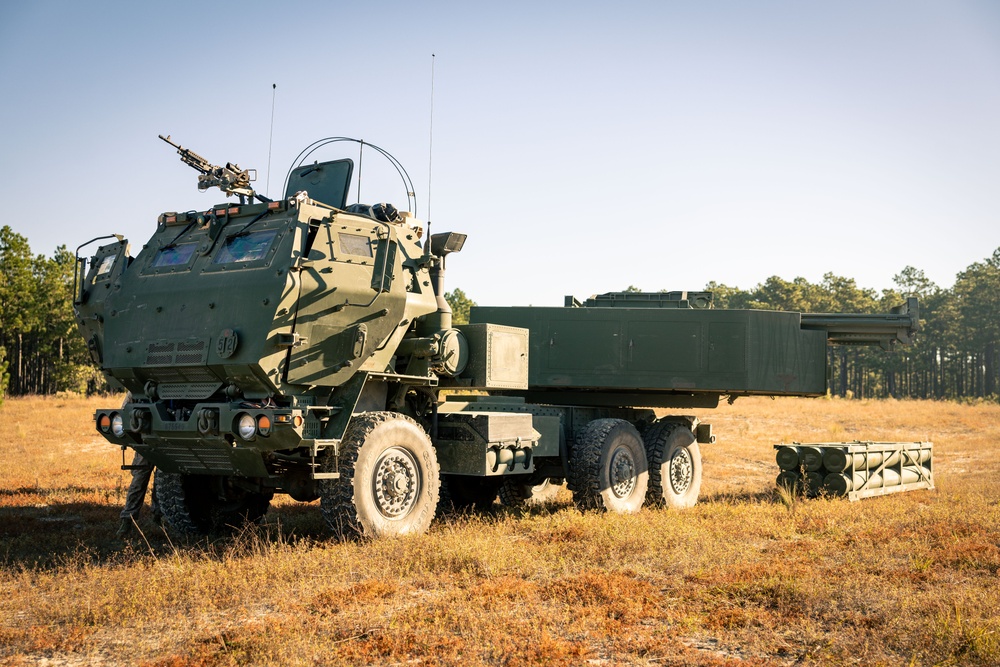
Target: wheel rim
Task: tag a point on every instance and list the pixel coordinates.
(396, 483)
(622, 469)
(681, 470)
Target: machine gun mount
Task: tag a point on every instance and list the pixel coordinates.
(230, 179)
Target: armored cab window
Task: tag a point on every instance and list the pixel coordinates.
(247, 247)
(355, 244)
(105, 267)
(174, 255)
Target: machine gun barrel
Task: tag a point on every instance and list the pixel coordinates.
(189, 157)
(230, 179)
(897, 326)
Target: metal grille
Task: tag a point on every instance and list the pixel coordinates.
(201, 460)
(186, 375)
(312, 427)
(187, 390)
(173, 353)
(188, 358)
(191, 346)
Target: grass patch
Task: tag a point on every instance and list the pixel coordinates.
(747, 577)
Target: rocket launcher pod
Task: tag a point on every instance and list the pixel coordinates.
(858, 469)
(813, 483)
(839, 460)
(840, 484)
(674, 350)
(811, 458)
(787, 458)
(789, 480)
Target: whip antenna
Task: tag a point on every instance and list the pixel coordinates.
(430, 160)
(270, 138)
(361, 159)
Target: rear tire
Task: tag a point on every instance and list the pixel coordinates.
(607, 467)
(674, 465)
(191, 504)
(389, 478)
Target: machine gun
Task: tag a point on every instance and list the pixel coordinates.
(230, 179)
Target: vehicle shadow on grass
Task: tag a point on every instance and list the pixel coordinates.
(66, 534)
(53, 535)
(759, 497)
(44, 491)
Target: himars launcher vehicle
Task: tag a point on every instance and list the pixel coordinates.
(304, 346)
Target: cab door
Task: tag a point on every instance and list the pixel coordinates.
(349, 301)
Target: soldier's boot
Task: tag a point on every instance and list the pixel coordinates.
(124, 527)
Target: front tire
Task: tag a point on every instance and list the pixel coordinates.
(389, 478)
(607, 467)
(203, 504)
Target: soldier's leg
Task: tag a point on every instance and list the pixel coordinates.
(154, 504)
(136, 496)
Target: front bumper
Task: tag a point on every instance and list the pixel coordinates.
(204, 439)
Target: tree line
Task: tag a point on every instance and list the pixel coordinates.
(41, 351)
(955, 355)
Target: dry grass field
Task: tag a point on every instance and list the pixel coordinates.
(744, 578)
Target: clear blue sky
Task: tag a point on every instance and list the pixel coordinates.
(582, 146)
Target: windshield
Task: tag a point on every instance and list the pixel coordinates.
(174, 255)
(246, 247)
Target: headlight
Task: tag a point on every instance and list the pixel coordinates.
(104, 423)
(117, 426)
(246, 426)
(264, 425)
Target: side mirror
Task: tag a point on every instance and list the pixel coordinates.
(447, 242)
(79, 272)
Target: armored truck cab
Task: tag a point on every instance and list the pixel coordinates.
(237, 305)
(304, 346)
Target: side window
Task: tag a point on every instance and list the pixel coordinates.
(355, 244)
(105, 267)
(106, 263)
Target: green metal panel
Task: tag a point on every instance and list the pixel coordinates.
(486, 443)
(782, 358)
(498, 357)
(546, 420)
(725, 340)
(668, 350)
(647, 341)
(603, 346)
